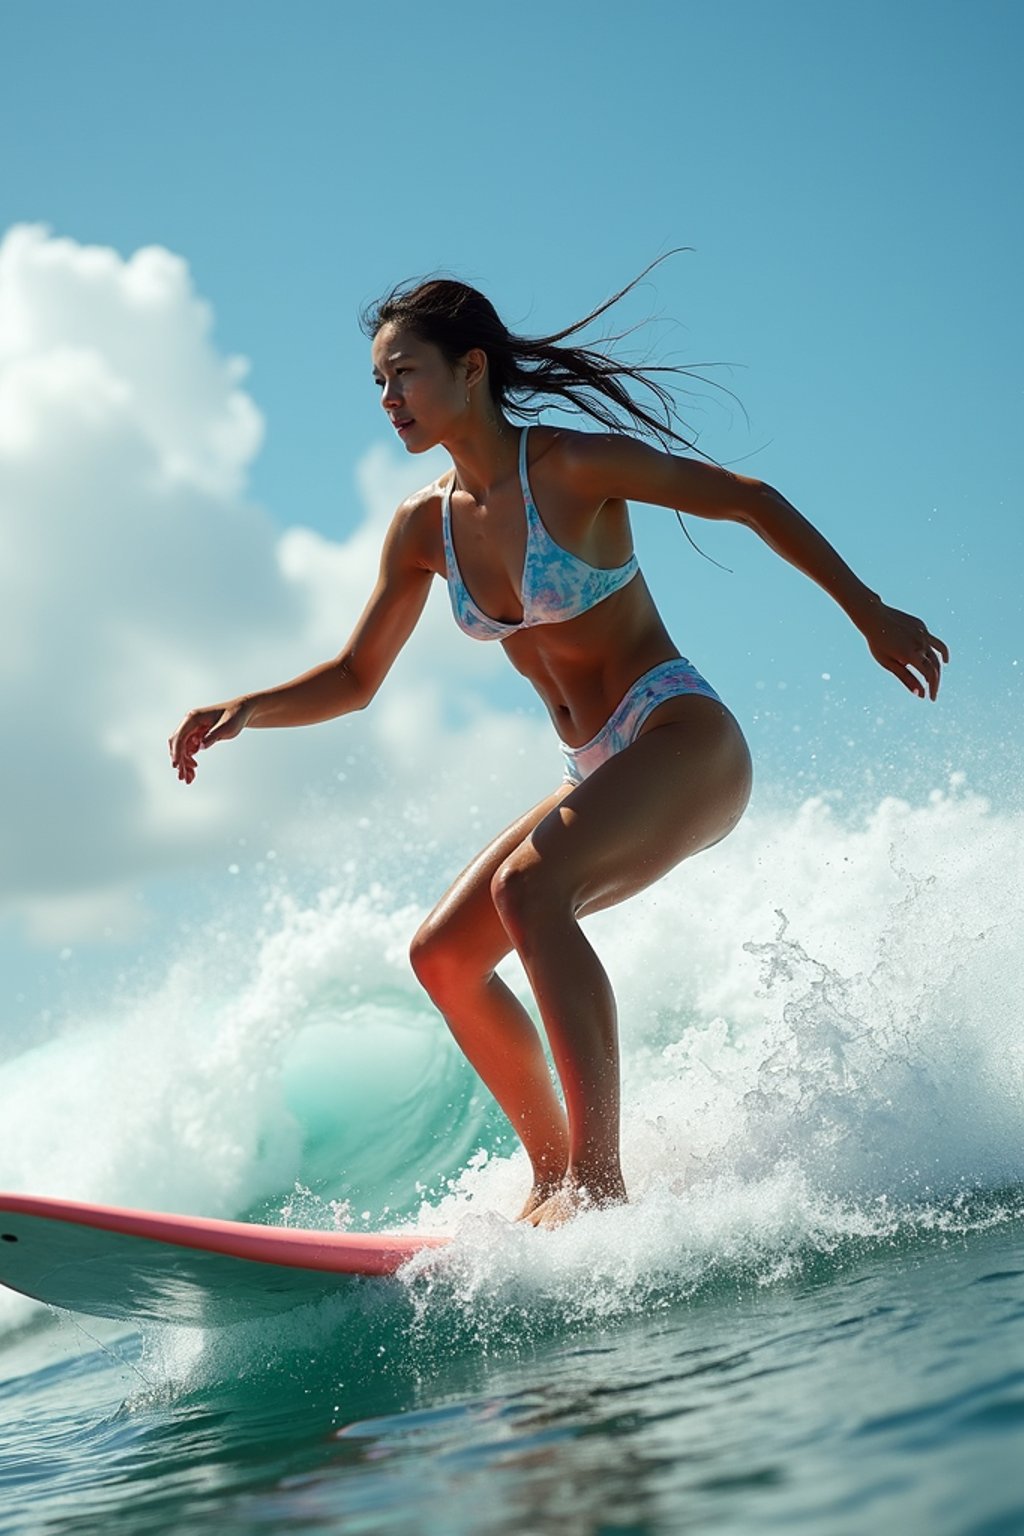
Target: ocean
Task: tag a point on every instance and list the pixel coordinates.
(810, 1317)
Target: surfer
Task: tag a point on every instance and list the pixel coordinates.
(530, 529)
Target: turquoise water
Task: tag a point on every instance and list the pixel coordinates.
(883, 1391)
(810, 1317)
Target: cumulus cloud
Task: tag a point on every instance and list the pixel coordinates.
(137, 580)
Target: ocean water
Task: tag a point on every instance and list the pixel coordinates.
(810, 1317)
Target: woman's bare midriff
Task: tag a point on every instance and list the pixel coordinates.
(583, 668)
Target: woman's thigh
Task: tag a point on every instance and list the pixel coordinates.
(464, 923)
(679, 788)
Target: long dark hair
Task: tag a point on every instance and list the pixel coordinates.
(455, 318)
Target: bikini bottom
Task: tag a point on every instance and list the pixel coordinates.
(668, 680)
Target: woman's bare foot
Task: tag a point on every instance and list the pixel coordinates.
(542, 1191)
(571, 1200)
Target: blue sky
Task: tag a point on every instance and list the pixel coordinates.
(847, 177)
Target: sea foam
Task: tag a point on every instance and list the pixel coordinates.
(820, 1037)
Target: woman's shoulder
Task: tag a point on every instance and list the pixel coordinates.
(579, 459)
(416, 522)
(424, 505)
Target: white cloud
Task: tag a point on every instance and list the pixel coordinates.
(141, 328)
(137, 581)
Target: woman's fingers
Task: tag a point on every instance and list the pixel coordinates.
(927, 666)
(189, 738)
(930, 653)
(932, 672)
(906, 677)
(203, 728)
(928, 661)
(901, 642)
(185, 760)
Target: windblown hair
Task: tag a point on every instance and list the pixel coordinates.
(456, 318)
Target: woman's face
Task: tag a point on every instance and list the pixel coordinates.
(422, 394)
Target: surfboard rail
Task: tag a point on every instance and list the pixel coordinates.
(149, 1266)
(357, 1253)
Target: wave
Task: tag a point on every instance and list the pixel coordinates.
(820, 1046)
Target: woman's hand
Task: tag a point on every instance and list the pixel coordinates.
(898, 642)
(204, 728)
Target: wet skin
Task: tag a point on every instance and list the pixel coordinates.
(679, 788)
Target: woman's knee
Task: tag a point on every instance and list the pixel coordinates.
(431, 958)
(523, 894)
(443, 965)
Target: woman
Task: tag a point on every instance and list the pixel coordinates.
(531, 531)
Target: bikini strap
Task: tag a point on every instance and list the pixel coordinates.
(446, 529)
(523, 481)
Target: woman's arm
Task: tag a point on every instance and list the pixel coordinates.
(351, 679)
(896, 640)
(606, 465)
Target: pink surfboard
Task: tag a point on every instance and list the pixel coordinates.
(140, 1266)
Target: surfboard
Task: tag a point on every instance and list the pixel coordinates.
(141, 1266)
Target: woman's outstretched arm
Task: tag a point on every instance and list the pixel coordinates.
(607, 465)
(898, 641)
(351, 679)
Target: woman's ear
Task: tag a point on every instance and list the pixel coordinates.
(475, 364)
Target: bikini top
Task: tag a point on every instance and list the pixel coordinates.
(557, 585)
